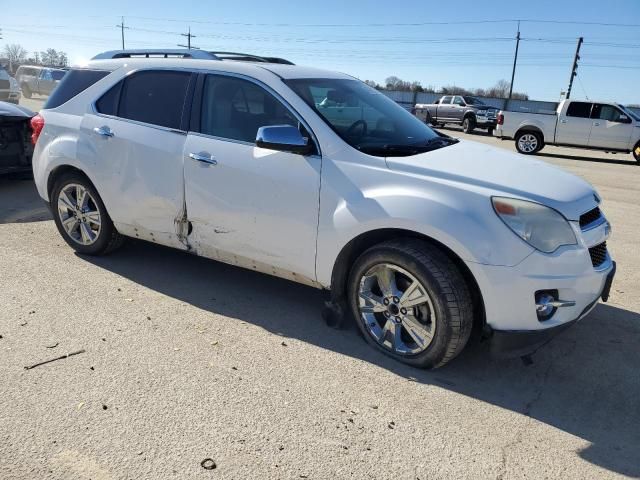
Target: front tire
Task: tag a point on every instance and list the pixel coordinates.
(411, 302)
(468, 124)
(490, 131)
(81, 216)
(528, 143)
(26, 91)
(636, 153)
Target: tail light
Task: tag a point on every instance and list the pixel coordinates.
(37, 124)
(501, 118)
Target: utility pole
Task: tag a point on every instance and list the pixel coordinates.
(122, 27)
(515, 60)
(574, 68)
(189, 37)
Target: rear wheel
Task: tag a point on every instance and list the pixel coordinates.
(468, 124)
(411, 302)
(636, 152)
(81, 217)
(528, 143)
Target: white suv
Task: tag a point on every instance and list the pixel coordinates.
(312, 176)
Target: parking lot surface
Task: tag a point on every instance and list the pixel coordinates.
(185, 359)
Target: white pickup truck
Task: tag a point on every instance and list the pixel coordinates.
(594, 125)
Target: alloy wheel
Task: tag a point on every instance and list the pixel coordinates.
(528, 143)
(79, 214)
(396, 309)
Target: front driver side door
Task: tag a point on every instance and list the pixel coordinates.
(249, 206)
(611, 127)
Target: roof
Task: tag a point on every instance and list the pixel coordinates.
(240, 67)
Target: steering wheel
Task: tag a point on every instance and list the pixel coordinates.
(358, 123)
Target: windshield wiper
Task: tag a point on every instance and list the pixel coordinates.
(405, 150)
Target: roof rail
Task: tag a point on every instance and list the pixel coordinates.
(248, 57)
(156, 53)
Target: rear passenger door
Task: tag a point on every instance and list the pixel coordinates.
(249, 206)
(574, 125)
(134, 140)
(611, 127)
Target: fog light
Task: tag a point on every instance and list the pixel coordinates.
(547, 303)
(544, 304)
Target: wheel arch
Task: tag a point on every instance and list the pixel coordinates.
(358, 245)
(60, 170)
(529, 128)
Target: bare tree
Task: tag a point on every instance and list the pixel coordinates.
(16, 55)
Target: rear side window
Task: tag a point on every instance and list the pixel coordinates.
(155, 97)
(579, 109)
(108, 103)
(74, 82)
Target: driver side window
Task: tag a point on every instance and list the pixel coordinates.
(233, 108)
(458, 101)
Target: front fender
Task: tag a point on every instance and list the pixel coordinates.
(462, 220)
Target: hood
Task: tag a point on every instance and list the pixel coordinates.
(10, 111)
(503, 173)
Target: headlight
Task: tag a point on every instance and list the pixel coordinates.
(541, 227)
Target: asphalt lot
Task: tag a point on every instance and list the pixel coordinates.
(186, 359)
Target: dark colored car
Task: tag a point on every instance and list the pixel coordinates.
(15, 138)
(470, 112)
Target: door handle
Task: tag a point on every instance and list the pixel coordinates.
(596, 124)
(103, 131)
(203, 157)
(563, 121)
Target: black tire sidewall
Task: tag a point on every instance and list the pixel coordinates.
(635, 155)
(106, 229)
(468, 124)
(437, 350)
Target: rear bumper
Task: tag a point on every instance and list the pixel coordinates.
(518, 343)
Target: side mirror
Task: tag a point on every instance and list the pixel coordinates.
(624, 119)
(284, 138)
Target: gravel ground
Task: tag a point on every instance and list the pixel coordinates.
(187, 359)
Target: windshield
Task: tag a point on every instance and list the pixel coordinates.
(365, 118)
(473, 101)
(633, 115)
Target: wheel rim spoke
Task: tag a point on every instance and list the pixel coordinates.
(370, 303)
(414, 295)
(421, 335)
(70, 224)
(386, 281)
(65, 202)
(93, 217)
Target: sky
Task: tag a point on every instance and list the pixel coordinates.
(469, 43)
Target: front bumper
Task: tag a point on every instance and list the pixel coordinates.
(518, 343)
(10, 96)
(486, 121)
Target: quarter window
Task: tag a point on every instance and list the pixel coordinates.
(234, 108)
(155, 97)
(579, 109)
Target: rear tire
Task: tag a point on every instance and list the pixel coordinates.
(422, 314)
(81, 216)
(468, 124)
(528, 142)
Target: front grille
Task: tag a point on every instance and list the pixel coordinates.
(590, 217)
(598, 254)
